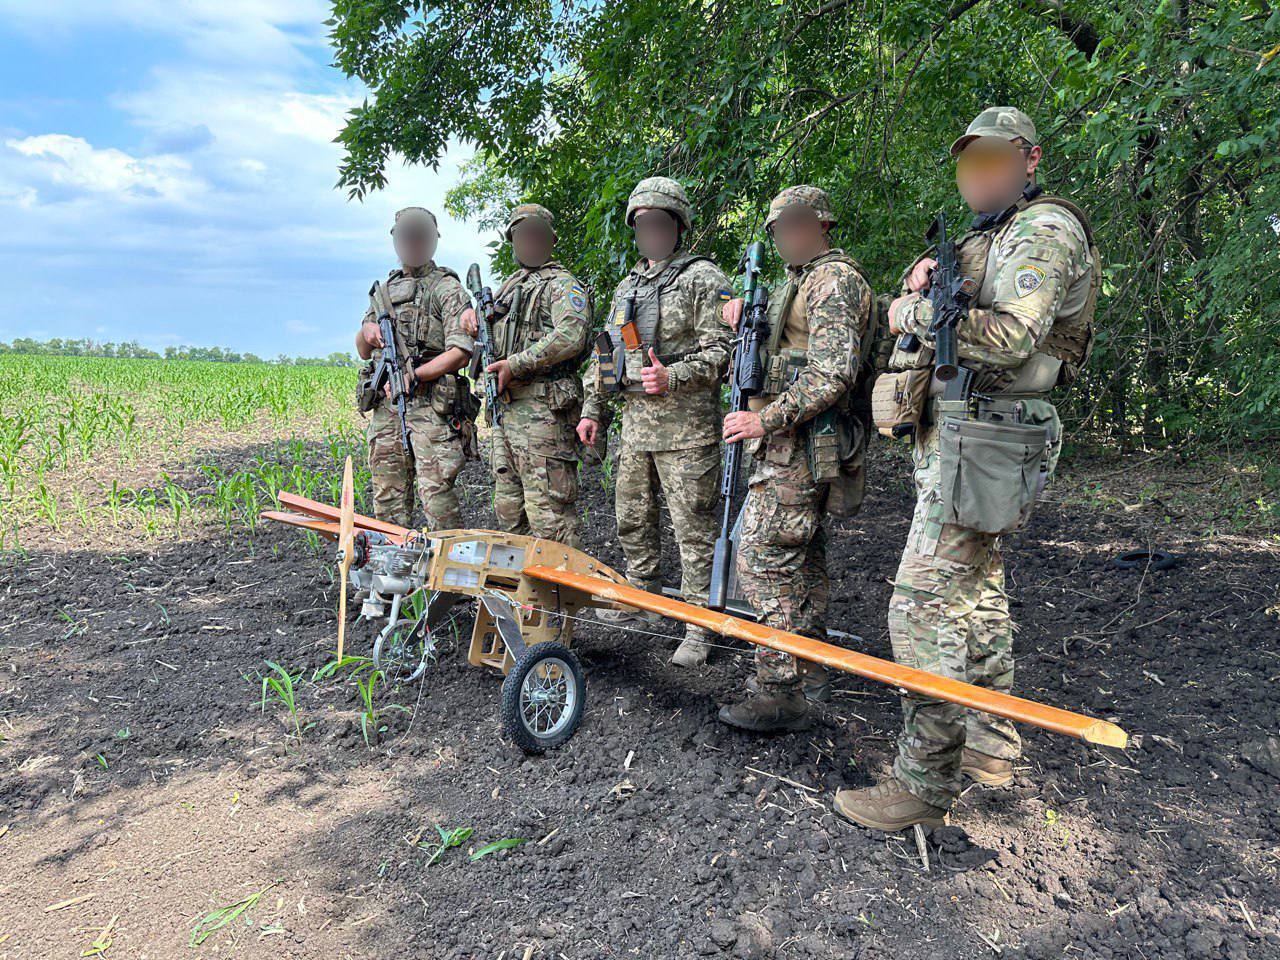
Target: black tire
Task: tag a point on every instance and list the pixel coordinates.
(564, 673)
(1146, 559)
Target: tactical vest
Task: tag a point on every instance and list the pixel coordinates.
(785, 353)
(411, 302)
(648, 293)
(522, 321)
(1065, 351)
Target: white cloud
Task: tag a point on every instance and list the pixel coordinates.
(219, 211)
(72, 161)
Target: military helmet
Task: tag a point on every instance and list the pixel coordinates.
(815, 198)
(660, 193)
(524, 211)
(1007, 123)
(415, 217)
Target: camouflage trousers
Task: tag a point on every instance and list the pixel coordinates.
(690, 482)
(438, 458)
(949, 615)
(533, 457)
(782, 555)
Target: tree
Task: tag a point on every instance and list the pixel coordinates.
(1162, 120)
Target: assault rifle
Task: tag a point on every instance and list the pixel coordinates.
(746, 380)
(389, 373)
(484, 356)
(949, 295)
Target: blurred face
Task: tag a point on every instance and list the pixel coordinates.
(657, 233)
(991, 173)
(531, 242)
(799, 235)
(415, 242)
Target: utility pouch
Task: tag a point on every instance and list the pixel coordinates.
(919, 359)
(837, 457)
(367, 397)
(564, 394)
(443, 395)
(990, 472)
(898, 401)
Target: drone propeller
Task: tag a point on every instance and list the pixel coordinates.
(346, 547)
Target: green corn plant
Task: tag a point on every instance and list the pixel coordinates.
(280, 685)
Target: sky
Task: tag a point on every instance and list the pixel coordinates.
(167, 175)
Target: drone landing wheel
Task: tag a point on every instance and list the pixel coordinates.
(403, 650)
(543, 697)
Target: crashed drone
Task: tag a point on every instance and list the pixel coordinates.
(529, 592)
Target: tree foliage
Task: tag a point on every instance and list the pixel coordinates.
(1163, 120)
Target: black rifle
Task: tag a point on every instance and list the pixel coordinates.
(389, 373)
(746, 380)
(483, 357)
(949, 295)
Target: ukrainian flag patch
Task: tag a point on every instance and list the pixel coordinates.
(726, 294)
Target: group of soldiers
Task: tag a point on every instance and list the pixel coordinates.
(1035, 275)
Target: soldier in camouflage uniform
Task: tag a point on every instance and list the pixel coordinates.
(540, 336)
(428, 302)
(669, 388)
(1028, 329)
(818, 321)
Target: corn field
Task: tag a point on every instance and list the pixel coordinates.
(145, 447)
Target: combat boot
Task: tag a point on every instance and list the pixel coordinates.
(628, 617)
(888, 806)
(769, 711)
(693, 649)
(815, 680)
(986, 770)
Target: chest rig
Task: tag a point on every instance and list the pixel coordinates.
(1066, 349)
(410, 297)
(785, 353)
(640, 298)
(525, 317)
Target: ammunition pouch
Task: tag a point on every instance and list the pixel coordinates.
(781, 368)
(367, 397)
(992, 465)
(836, 444)
(899, 400)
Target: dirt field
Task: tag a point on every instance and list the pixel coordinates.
(145, 786)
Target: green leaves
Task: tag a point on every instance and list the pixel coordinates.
(1163, 122)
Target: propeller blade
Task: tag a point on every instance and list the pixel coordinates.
(346, 547)
(323, 527)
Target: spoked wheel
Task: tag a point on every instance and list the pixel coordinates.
(542, 697)
(403, 649)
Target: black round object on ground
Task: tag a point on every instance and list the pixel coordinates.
(543, 697)
(1149, 559)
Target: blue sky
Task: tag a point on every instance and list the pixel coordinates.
(167, 171)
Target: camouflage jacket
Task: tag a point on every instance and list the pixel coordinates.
(428, 304)
(1041, 271)
(825, 307)
(552, 325)
(688, 414)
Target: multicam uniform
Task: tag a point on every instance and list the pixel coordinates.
(669, 441)
(542, 333)
(428, 303)
(818, 321)
(1028, 329)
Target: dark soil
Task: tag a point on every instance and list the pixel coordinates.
(141, 772)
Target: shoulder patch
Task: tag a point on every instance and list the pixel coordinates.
(726, 294)
(1027, 279)
(577, 297)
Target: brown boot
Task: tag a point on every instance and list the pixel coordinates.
(693, 649)
(766, 712)
(986, 770)
(888, 806)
